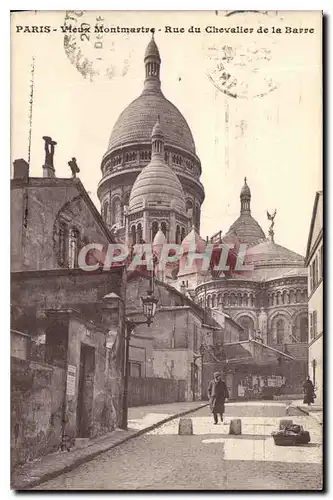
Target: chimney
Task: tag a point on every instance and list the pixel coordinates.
(21, 169)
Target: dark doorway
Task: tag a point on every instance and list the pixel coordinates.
(86, 392)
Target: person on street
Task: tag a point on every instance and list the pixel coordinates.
(218, 394)
(308, 391)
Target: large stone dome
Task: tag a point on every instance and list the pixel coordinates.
(136, 122)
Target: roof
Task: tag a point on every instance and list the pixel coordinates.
(245, 229)
(157, 186)
(152, 50)
(197, 309)
(42, 182)
(268, 252)
(193, 240)
(319, 195)
(136, 122)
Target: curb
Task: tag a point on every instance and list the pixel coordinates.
(310, 414)
(81, 460)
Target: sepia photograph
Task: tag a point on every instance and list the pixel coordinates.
(167, 253)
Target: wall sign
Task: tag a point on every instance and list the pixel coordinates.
(71, 380)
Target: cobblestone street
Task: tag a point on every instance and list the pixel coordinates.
(210, 459)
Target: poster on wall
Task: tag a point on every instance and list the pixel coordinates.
(71, 380)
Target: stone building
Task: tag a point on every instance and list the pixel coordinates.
(315, 265)
(170, 347)
(268, 297)
(129, 151)
(66, 334)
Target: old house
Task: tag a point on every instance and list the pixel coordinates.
(67, 335)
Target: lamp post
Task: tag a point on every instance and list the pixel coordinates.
(149, 304)
(202, 350)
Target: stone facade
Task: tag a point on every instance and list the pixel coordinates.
(50, 216)
(171, 344)
(315, 265)
(67, 330)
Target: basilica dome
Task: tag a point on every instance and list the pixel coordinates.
(135, 123)
(157, 185)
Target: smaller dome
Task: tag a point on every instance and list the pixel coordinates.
(245, 189)
(152, 49)
(157, 186)
(159, 238)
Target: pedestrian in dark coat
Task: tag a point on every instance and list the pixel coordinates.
(217, 393)
(308, 391)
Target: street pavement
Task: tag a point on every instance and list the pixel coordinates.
(209, 459)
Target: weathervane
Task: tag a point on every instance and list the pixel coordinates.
(271, 218)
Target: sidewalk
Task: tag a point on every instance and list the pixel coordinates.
(314, 411)
(140, 420)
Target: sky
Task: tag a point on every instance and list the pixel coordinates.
(273, 134)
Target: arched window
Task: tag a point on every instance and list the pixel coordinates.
(189, 210)
(197, 217)
(133, 235)
(291, 297)
(126, 198)
(73, 247)
(239, 299)
(209, 301)
(298, 296)
(139, 233)
(182, 233)
(245, 300)
(214, 301)
(232, 299)
(178, 235)
(154, 229)
(247, 323)
(105, 212)
(164, 228)
(280, 329)
(285, 297)
(225, 299)
(116, 212)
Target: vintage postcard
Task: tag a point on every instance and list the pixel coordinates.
(166, 250)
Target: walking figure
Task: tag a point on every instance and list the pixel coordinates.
(218, 394)
(309, 394)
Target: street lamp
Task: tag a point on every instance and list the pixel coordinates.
(149, 304)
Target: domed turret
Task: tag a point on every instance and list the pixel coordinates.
(157, 197)
(245, 229)
(157, 186)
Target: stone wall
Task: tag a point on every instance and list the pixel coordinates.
(37, 403)
(34, 230)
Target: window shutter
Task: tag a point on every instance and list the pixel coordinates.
(311, 326)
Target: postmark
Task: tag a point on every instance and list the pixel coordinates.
(242, 67)
(95, 52)
(239, 71)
